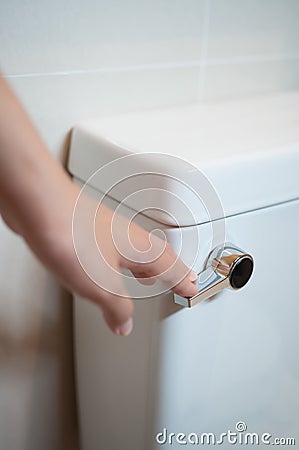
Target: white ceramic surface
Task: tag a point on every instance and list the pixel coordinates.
(229, 360)
(200, 370)
(249, 151)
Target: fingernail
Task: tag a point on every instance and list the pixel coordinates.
(192, 276)
(125, 329)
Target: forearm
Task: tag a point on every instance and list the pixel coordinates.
(27, 170)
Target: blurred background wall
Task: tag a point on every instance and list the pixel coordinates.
(72, 60)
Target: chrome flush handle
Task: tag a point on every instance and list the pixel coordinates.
(227, 266)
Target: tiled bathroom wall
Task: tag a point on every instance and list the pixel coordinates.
(72, 60)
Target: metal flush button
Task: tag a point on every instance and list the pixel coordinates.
(227, 266)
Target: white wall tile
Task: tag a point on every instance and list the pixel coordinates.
(57, 103)
(253, 27)
(36, 379)
(55, 36)
(238, 80)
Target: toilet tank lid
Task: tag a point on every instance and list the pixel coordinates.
(248, 149)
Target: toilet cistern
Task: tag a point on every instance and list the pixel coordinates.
(227, 266)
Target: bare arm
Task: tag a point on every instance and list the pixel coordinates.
(37, 200)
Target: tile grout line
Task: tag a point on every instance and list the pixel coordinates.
(204, 50)
(133, 68)
(264, 57)
(204, 62)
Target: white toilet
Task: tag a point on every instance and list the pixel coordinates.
(226, 370)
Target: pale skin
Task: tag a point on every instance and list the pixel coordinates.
(37, 200)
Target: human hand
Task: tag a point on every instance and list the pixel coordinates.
(37, 201)
(146, 256)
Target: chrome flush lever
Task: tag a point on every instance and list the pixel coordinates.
(227, 266)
